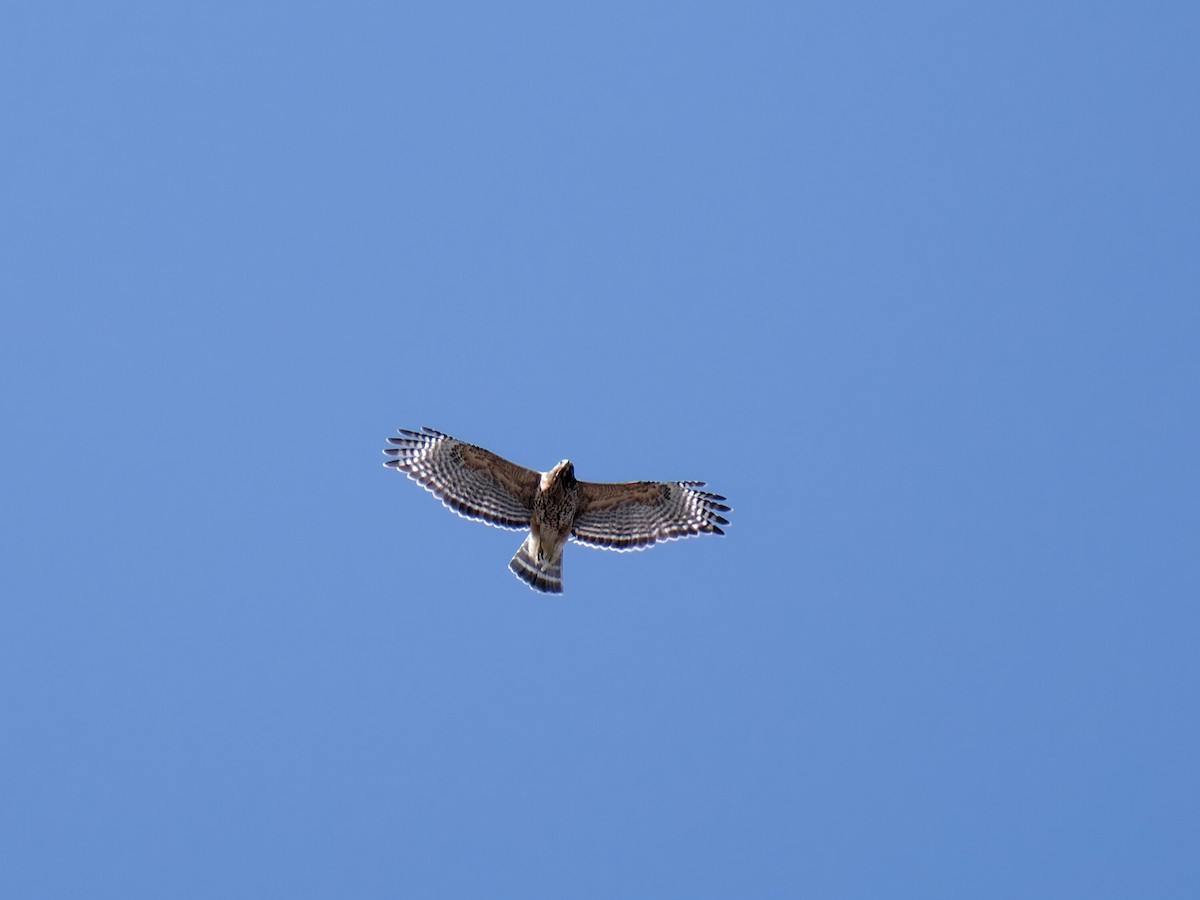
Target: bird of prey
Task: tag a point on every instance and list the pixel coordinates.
(554, 505)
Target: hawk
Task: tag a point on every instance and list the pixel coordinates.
(554, 505)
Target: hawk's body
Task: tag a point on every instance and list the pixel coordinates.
(554, 506)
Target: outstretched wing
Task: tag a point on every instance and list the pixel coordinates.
(474, 482)
(633, 515)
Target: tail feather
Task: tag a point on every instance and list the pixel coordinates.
(539, 574)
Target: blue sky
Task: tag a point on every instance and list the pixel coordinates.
(915, 285)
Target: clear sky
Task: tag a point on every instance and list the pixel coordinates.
(916, 285)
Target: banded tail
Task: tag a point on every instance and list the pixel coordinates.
(539, 574)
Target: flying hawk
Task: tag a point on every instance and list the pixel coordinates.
(554, 505)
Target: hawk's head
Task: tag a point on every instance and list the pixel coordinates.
(564, 473)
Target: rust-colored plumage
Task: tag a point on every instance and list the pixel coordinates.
(553, 505)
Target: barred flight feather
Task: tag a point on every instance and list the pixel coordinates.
(471, 481)
(636, 515)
